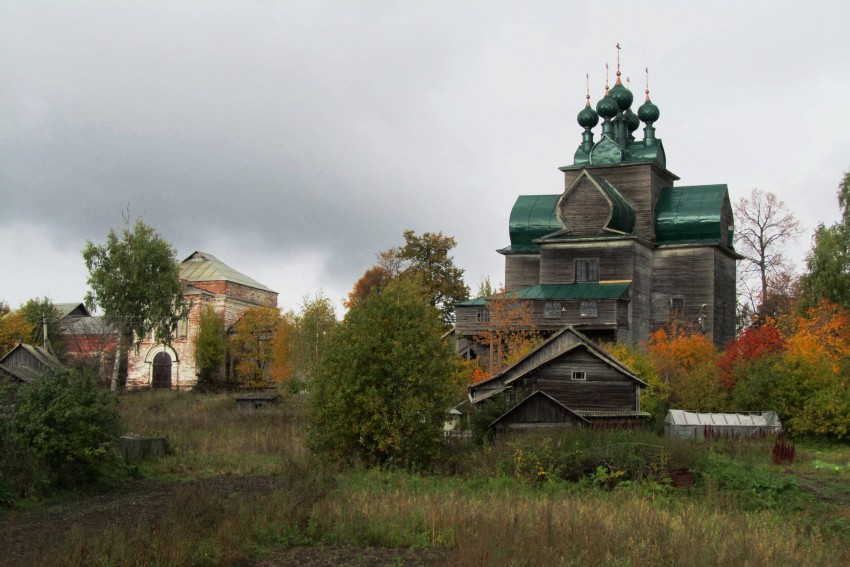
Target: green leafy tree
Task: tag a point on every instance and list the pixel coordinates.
(37, 311)
(134, 278)
(250, 344)
(210, 345)
(315, 324)
(381, 392)
(428, 259)
(827, 274)
(66, 425)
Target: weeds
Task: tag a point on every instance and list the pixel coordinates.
(513, 502)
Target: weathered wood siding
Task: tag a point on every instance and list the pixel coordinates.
(605, 387)
(20, 358)
(640, 183)
(538, 410)
(571, 314)
(640, 294)
(675, 274)
(584, 209)
(557, 261)
(521, 270)
(724, 303)
(727, 221)
(466, 320)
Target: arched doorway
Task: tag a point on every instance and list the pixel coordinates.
(161, 370)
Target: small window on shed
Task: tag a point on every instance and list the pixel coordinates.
(577, 375)
(622, 310)
(589, 308)
(552, 310)
(482, 315)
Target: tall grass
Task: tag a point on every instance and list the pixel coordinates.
(208, 435)
(486, 525)
(490, 513)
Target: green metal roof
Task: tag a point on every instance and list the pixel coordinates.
(532, 217)
(690, 214)
(203, 267)
(582, 290)
(636, 151)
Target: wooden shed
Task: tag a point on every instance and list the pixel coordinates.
(257, 400)
(25, 363)
(567, 380)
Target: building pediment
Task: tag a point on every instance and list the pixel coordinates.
(591, 205)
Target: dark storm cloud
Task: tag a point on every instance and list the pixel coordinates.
(306, 136)
(302, 125)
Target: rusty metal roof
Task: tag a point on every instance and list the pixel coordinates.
(203, 267)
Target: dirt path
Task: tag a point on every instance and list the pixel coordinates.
(28, 535)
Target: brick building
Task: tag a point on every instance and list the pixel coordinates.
(208, 281)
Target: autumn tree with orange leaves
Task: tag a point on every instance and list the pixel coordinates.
(509, 332)
(687, 364)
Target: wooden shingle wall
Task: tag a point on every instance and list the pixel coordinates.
(521, 270)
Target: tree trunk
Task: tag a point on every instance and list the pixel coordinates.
(116, 368)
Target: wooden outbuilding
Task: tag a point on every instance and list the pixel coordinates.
(568, 380)
(257, 400)
(25, 363)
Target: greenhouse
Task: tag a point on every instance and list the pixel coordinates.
(682, 424)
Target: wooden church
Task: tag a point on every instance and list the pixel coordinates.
(622, 250)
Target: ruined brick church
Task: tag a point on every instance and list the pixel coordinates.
(207, 282)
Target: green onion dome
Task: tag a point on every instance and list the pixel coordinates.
(588, 118)
(622, 95)
(632, 121)
(648, 112)
(607, 107)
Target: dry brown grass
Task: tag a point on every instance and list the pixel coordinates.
(483, 519)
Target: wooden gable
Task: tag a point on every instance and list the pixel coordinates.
(538, 410)
(549, 362)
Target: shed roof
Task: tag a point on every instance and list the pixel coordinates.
(203, 267)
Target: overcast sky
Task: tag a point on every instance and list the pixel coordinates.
(294, 140)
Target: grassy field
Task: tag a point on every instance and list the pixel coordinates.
(240, 489)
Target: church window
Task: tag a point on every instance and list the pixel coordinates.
(587, 270)
(677, 306)
(482, 316)
(552, 310)
(182, 328)
(588, 308)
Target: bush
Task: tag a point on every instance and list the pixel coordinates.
(62, 434)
